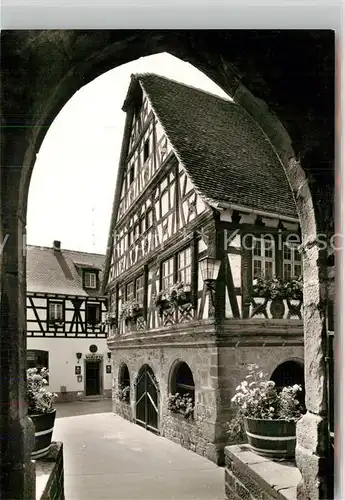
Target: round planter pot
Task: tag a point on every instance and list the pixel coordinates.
(44, 426)
(271, 438)
(277, 308)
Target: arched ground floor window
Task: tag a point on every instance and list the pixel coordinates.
(290, 373)
(124, 384)
(182, 390)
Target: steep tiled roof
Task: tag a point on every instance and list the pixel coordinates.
(54, 271)
(225, 153)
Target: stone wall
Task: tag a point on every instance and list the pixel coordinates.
(70, 396)
(50, 475)
(249, 476)
(124, 410)
(216, 372)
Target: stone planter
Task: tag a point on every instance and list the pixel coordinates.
(44, 426)
(271, 438)
(277, 308)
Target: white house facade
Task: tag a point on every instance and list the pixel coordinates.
(66, 321)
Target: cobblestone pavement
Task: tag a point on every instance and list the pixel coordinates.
(107, 457)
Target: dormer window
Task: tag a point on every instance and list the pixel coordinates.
(90, 279)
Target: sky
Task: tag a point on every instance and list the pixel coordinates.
(73, 182)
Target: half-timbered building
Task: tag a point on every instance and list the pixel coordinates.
(66, 314)
(202, 209)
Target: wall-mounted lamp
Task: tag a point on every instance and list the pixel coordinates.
(209, 268)
(109, 355)
(79, 355)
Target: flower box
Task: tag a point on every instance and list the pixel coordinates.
(181, 404)
(131, 310)
(278, 288)
(177, 295)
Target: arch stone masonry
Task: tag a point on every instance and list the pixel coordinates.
(285, 81)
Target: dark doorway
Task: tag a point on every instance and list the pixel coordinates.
(147, 400)
(92, 378)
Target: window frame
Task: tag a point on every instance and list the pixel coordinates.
(263, 258)
(185, 267)
(141, 289)
(52, 318)
(93, 305)
(292, 262)
(172, 273)
(90, 273)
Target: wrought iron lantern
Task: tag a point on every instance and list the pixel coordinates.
(209, 271)
(209, 268)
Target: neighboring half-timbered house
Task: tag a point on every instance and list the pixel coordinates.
(202, 212)
(66, 313)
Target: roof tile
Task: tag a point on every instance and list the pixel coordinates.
(52, 271)
(226, 154)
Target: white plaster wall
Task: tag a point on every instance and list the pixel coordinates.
(62, 360)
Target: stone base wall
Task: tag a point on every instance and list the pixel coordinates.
(68, 397)
(249, 476)
(124, 410)
(186, 432)
(50, 474)
(216, 372)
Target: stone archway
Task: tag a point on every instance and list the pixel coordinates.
(41, 70)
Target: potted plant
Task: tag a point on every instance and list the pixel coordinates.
(293, 288)
(267, 415)
(111, 319)
(161, 301)
(179, 294)
(131, 310)
(277, 290)
(40, 410)
(181, 403)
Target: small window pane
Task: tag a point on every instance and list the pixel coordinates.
(287, 252)
(257, 247)
(268, 269)
(298, 270)
(55, 311)
(90, 280)
(269, 245)
(257, 268)
(139, 290)
(287, 270)
(167, 273)
(130, 291)
(297, 254)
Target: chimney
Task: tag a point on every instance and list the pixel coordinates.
(57, 245)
